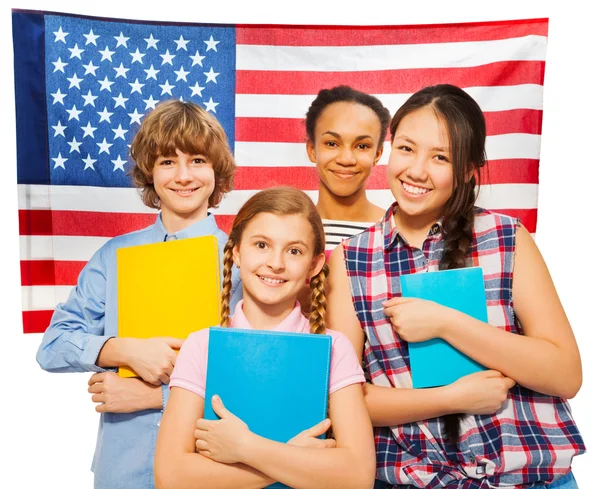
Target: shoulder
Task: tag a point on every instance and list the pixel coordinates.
(141, 236)
(340, 344)
(197, 340)
(487, 220)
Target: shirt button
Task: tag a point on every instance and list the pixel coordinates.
(158, 424)
(435, 229)
(471, 458)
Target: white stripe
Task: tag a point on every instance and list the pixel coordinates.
(490, 99)
(64, 248)
(499, 147)
(389, 57)
(43, 297)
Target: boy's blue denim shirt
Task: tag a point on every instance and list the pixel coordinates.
(124, 455)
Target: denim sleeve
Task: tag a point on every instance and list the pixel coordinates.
(75, 336)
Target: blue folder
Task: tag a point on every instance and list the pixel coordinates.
(435, 362)
(277, 383)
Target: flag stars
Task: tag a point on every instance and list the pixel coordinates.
(89, 99)
(167, 58)
(106, 54)
(119, 164)
(211, 44)
(181, 44)
(197, 59)
(59, 65)
(104, 147)
(211, 106)
(120, 101)
(75, 81)
(136, 86)
(76, 51)
(121, 40)
(211, 76)
(88, 130)
(151, 73)
(74, 145)
(121, 71)
(197, 90)
(58, 98)
(90, 69)
(182, 74)
(60, 36)
(89, 162)
(150, 103)
(120, 133)
(137, 56)
(166, 88)
(59, 161)
(59, 129)
(135, 117)
(105, 115)
(90, 38)
(105, 84)
(151, 42)
(74, 113)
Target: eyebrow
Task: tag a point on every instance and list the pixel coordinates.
(407, 139)
(357, 138)
(267, 238)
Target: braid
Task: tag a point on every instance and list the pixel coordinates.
(457, 246)
(226, 293)
(318, 302)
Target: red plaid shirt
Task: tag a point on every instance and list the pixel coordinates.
(528, 443)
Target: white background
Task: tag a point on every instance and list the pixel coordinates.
(47, 422)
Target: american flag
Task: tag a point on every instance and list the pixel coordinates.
(83, 85)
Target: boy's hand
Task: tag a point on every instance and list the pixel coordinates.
(153, 359)
(308, 438)
(118, 395)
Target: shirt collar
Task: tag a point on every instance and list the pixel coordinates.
(204, 227)
(295, 322)
(391, 234)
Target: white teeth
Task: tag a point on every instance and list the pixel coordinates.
(271, 280)
(414, 190)
(185, 192)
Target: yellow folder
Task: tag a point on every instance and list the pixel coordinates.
(171, 288)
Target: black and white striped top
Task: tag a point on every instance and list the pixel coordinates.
(336, 230)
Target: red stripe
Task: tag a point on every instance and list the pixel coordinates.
(224, 222)
(36, 321)
(277, 130)
(50, 272)
(527, 216)
(81, 223)
(504, 73)
(302, 35)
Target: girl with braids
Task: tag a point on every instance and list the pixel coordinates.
(516, 428)
(345, 129)
(277, 242)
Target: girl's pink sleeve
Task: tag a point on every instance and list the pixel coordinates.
(345, 368)
(191, 365)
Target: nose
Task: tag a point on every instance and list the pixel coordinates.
(417, 171)
(346, 157)
(183, 173)
(275, 261)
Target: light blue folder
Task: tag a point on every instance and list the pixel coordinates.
(435, 362)
(277, 383)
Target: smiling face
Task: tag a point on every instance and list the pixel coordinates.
(420, 169)
(276, 257)
(345, 147)
(183, 183)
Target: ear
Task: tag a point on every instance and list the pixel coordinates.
(378, 155)
(470, 174)
(310, 151)
(236, 255)
(317, 265)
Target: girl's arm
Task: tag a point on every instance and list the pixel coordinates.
(478, 394)
(546, 359)
(350, 465)
(178, 466)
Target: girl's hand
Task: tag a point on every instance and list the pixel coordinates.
(118, 395)
(308, 438)
(480, 393)
(224, 440)
(416, 319)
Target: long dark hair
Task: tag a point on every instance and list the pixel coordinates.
(465, 124)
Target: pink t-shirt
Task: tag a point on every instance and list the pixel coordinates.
(190, 368)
